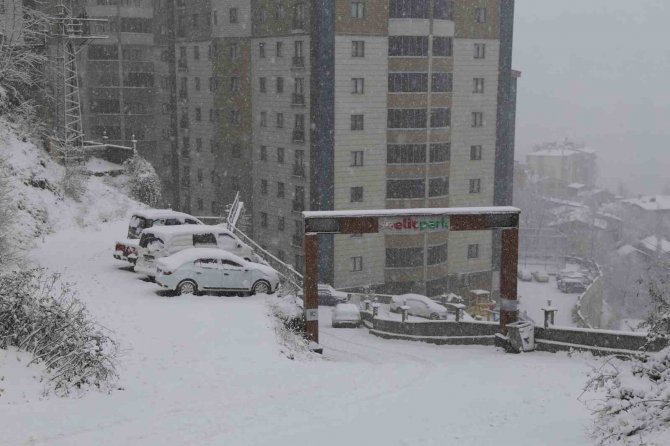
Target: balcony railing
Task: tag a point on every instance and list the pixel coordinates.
(298, 62)
(299, 170)
(298, 99)
(298, 206)
(298, 135)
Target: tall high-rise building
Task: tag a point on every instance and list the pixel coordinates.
(332, 105)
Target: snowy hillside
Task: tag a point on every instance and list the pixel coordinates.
(41, 204)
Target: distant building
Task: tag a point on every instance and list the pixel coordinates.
(562, 168)
(11, 22)
(651, 212)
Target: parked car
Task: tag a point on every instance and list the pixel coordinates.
(329, 296)
(419, 305)
(568, 285)
(127, 248)
(540, 276)
(525, 275)
(164, 241)
(345, 314)
(196, 270)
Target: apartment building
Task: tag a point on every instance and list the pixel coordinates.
(336, 104)
(400, 104)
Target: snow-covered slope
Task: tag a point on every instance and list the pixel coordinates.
(42, 206)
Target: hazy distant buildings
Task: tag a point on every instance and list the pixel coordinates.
(562, 168)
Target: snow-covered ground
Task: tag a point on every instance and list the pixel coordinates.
(533, 296)
(209, 371)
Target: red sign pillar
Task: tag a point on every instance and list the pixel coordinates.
(509, 263)
(310, 286)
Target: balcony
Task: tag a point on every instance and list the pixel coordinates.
(298, 206)
(297, 240)
(298, 99)
(298, 135)
(299, 170)
(298, 62)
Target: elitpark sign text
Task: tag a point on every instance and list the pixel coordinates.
(413, 224)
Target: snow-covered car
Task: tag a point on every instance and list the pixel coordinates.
(163, 241)
(195, 270)
(540, 276)
(524, 275)
(419, 305)
(127, 248)
(329, 296)
(345, 314)
(568, 285)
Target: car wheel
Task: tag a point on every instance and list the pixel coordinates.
(187, 287)
(434, 316)
(262, 287)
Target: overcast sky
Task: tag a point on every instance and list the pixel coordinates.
(598, 72)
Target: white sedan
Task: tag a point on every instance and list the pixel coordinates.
(346, 315)
(419, 305)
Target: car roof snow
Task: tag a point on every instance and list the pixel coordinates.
(161, 213)
(187, 229)
(193, 254)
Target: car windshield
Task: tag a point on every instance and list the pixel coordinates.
(137, 225)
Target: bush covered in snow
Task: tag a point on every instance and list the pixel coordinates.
(7, 218)
(41, 315)
(287, 312)
(144, 183)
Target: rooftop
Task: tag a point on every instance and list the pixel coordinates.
(651, 202)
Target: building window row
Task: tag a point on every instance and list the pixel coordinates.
(413, 118)
(416, 153)
(420, 9)
(417, 46)
(418, 82)
(416, 188)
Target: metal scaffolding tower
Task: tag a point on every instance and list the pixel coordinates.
(70, 35)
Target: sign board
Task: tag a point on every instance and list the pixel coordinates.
(413, 224)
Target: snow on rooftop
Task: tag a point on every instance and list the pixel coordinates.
(651, 202)
(413, 212)
(653, 243)
(626, 250)
(160, 213)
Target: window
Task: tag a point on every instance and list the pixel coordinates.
(475, 186)
(281, 223)
(264, 153)
(358, 48)
(196, 82)
(438, 187)
(409, 9)
(279, 49)
(234, 84)
(196, 52)
(264, 187)
(475, 153)
(198, 114)
(280, 120)
(443, 9)
(442, 82)
(262, 84)
(404, 257)
(357, 85)
(440, 117)
(236, 150)
(407, 118)
(405, 189)
(357, 9)
(232, 15)
(280, 190)
(437, 254)
(408, 82)
(356, 194)
(199, 175)
(198, 144)
(477, 119)
(235, 118)
(280, 85)
(264, 119)
(264, 220)
(215, 17)
(280, 155)
(195, 20)
(406, 153)
(234, 50)
(408, 46)
(440, 152)
(442, 46)
(480, 15)
(478, 85)
(473, 251)
(261, 50)
(357, 122)
(357, 158)
(357, 264)
(480, 50)
(204, 239)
